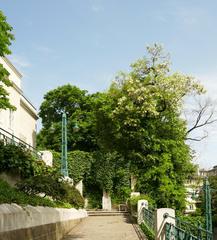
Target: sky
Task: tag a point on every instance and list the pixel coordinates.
(86, 42)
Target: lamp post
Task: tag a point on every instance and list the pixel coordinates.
(208, 208)
(64, 163)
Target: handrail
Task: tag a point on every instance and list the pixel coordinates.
(148, 218)
(197, 232)
(166, 215)
(14, 138)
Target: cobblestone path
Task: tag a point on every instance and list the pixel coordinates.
(103, 228)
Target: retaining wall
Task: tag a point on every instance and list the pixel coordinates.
(37, 223)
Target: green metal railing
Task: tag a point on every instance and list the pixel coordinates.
(8, 138)
(149, 219)
(185, 231)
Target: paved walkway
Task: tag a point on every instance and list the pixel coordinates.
(103, 228)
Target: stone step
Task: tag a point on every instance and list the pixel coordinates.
(107, 213)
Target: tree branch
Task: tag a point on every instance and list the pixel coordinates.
(200, 121)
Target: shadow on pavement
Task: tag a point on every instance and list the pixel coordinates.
(73, 236)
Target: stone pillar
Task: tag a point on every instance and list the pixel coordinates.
(79, 187)
(106, 201)
(133, 182)
(140, 205)
(134, 194)
(85, 203)
(47, 157)
(161, 220)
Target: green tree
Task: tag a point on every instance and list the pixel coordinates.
(6, 37)
(213, 185)
(78, 106)
(135, 128)
(143, 108)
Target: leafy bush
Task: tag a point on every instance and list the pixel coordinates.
(19, 160)
(94, 200)
(9, 194)
(52, 186)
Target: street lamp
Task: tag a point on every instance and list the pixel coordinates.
(64, 162)
(208, 207)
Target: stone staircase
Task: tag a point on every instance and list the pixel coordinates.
(106, 213)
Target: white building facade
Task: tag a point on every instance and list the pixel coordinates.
(22, 122)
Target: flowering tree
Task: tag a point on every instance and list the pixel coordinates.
(146, 127)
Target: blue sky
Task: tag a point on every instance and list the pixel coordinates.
(86, 42)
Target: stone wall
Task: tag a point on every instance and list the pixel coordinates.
(41, 223)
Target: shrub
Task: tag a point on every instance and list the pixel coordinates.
(19, 160)
(9, 195)
(53, 186)
(94, 200)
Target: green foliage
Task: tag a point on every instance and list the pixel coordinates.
(5, 35)
(18, 160)
(79, 164)
(36, 178)
(148, 233)
(79, 109)
(201, 202)
(53, 186)
(121, 184)
(5, 41)
(133, 128)
(94, 199)
(9, 194)
(143, 109)
(110, 173)
(213, 185)
(193, 220)
(191, 224)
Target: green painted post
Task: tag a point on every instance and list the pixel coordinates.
(64, 164)
(208, 208)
